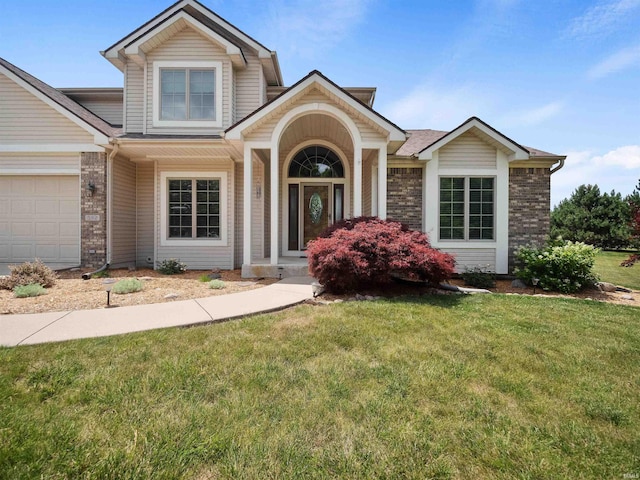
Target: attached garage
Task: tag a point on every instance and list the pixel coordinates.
(40, 218)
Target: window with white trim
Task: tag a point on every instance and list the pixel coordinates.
(194, 208)
(187, 94)
(467, 208)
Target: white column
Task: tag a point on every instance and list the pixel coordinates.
(357, 180)
(382, 182)
(275, 193)
(246, 216)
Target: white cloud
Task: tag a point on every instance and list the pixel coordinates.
(534, 116)
(602, 18)
(621, 60)
(618, 170)
(429, 107)
(307, 27)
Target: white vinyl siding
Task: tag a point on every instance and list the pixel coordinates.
(473, 257)
(40, 218)
(145, 214)
(134, 98)
(123, 225)
(31, 163)
(467, 152)
(189, 46)
(109, 111)
(247, 88)
(24, 118)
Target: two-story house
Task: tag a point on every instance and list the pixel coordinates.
(206, 156)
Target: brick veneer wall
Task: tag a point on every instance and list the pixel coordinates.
(404, 196)
(93, 208)
(529, 208)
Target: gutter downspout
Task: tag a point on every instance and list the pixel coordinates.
(560, 165)
(110, 158)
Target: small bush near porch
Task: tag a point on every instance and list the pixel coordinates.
(366, 252)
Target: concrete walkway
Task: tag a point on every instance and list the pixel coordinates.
(28, 329)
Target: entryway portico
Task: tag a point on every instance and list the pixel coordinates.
(312, 156)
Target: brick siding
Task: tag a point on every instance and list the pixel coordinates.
(93, 242)
(529, 208)
(404, 196)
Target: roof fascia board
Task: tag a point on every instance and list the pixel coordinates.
(236, 132)
(98, 136)
(518, 152)
(232, 50)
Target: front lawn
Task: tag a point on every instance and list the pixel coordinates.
(488, 386)
(608, 267)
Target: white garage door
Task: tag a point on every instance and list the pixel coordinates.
(40, 218)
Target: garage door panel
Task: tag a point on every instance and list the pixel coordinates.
(46, 207)
(40, 217)
(69, 207)
(22, 252)
(46, 229)
(21, 229)
(69, 253)
(21, 207)
(68, 229)
(23, 186)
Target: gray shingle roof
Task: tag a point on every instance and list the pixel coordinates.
(61, 99)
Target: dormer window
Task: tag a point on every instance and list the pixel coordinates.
(187, 94)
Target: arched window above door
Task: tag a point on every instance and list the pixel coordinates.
(316, 162)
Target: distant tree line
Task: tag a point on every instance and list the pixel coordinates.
(605, 220)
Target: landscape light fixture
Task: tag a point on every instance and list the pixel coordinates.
(534, 282)
(107, 283)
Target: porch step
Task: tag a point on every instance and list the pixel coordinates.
(275, 271)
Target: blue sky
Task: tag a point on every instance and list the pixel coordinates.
(559, 75)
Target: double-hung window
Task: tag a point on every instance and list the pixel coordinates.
(467, 208)
(193, 208)
(187, 94)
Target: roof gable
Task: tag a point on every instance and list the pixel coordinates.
(207, 23)
(55, 99)
(314, 79)
(486, 133)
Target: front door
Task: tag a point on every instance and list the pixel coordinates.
(316, 210)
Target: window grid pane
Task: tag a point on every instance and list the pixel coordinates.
(452, 208)
(173, 94)
(208, 210)
(481, 195)
(180, 207)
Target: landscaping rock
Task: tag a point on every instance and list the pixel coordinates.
(145, 279)
(606, 287)
(171, 296)
(627, 297)
(214, 276)
(517, 283)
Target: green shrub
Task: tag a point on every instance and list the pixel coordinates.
(127, 285)
(479, 277)
(559, 266)
(27, 274)
(172, 266)
(204, 278)
(217, 284)
(102, 274)
(32, 290)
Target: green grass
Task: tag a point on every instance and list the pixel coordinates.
(608, 267)
(433, 387)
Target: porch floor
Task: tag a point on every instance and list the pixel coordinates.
(286, 267)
